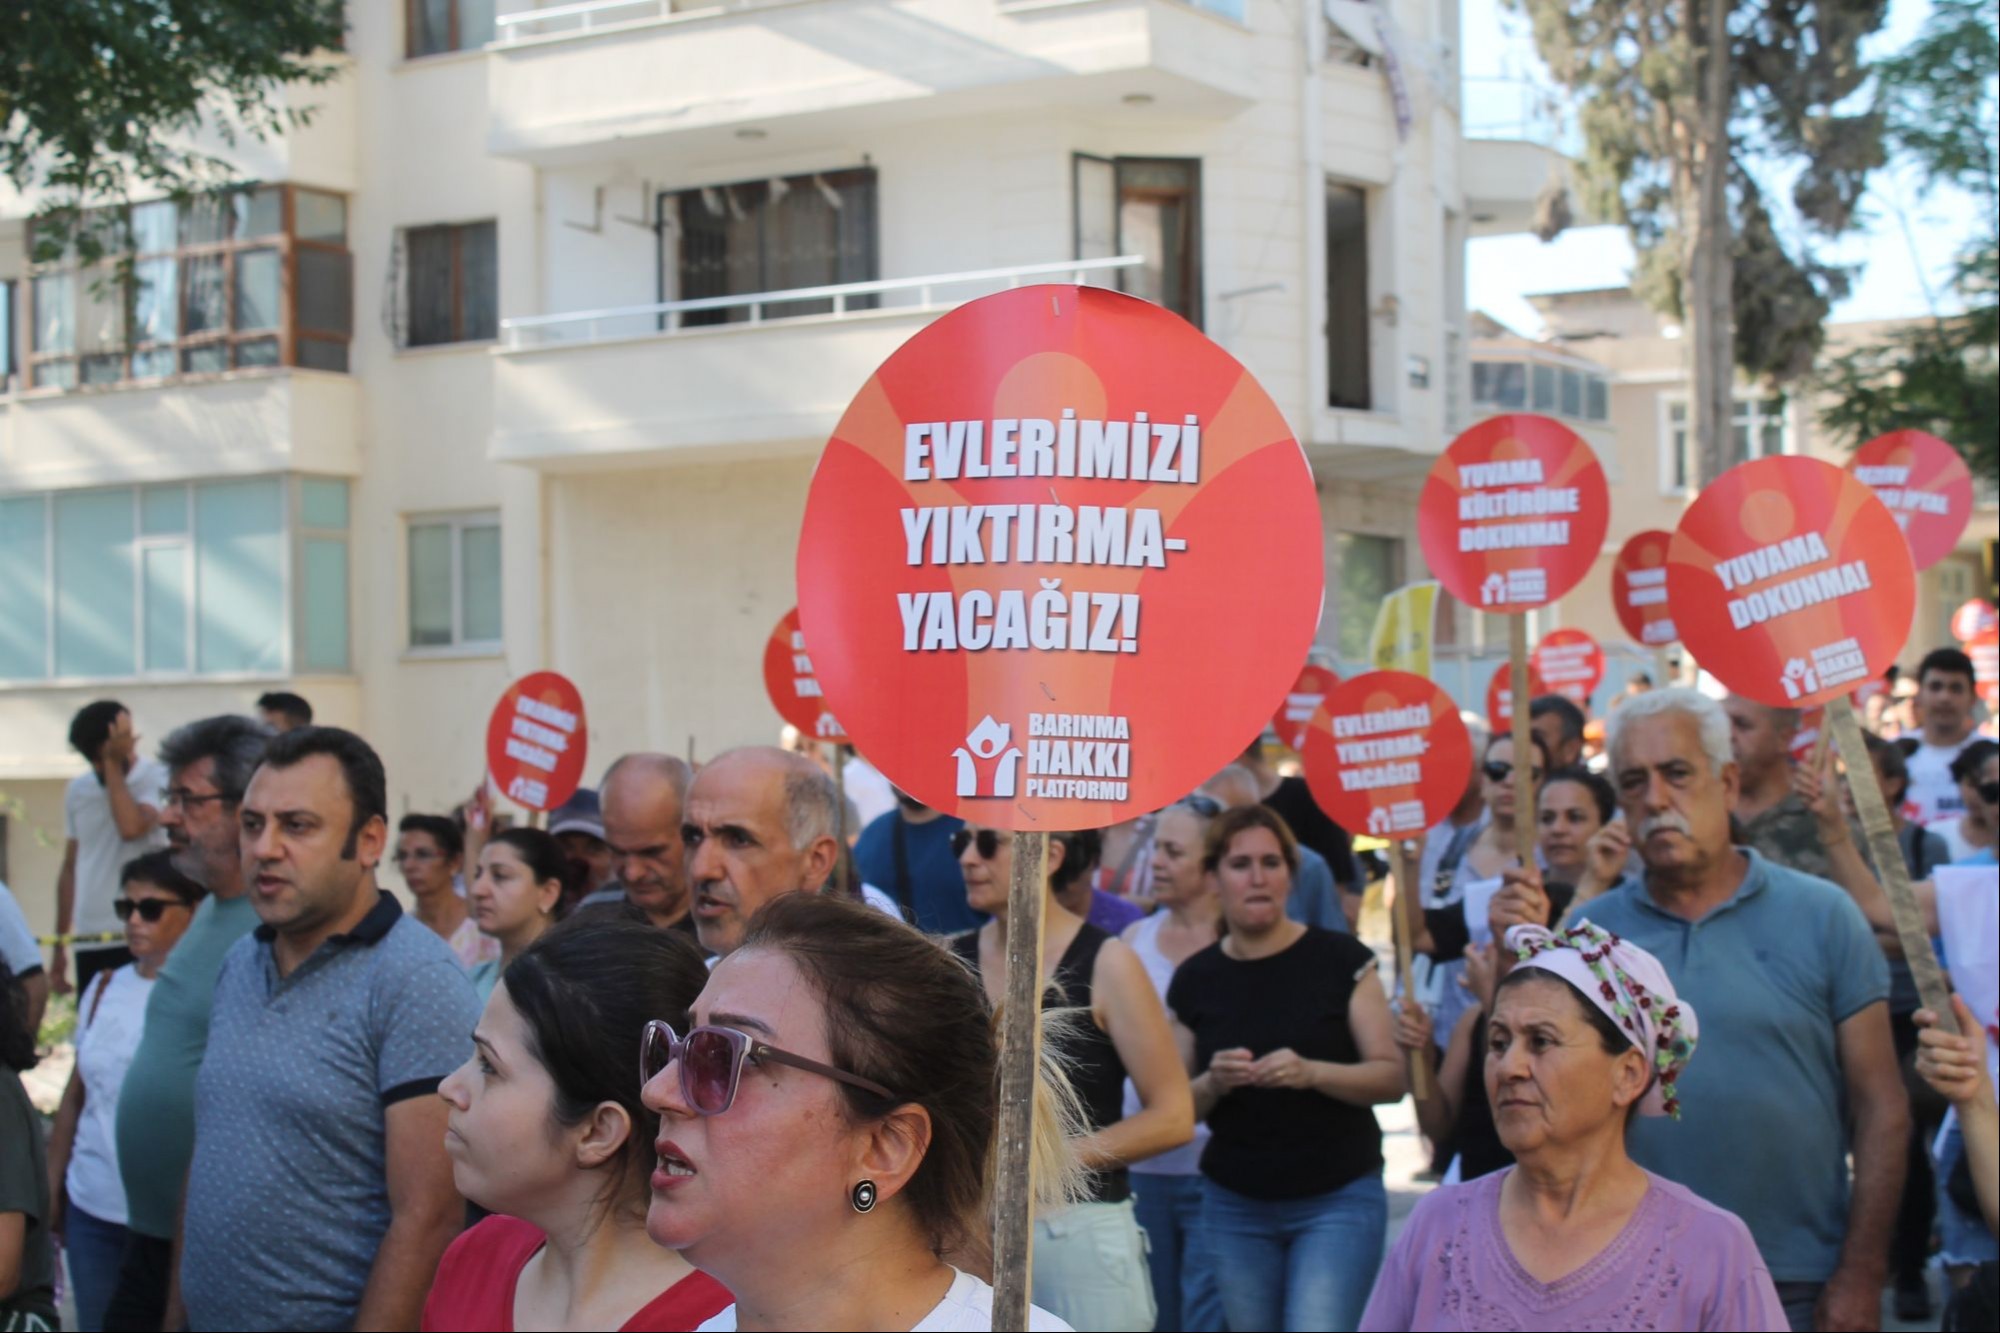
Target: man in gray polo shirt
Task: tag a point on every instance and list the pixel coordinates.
(320, 1196)
(1797, 1067)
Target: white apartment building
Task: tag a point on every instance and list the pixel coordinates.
(497, 370)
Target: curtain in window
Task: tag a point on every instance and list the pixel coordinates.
(430, 286)
(479, 279)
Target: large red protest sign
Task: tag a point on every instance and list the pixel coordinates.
(1387, 755)
(1925, 484)
(1790, 582)
(1973, 619)
(1639, 588)
(1500, 694)
(1027, 544)
(1308, 692)
(1570, 663)
(792, 684)
(1513, 514)
(536, 742)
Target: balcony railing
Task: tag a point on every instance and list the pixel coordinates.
(665, 317)
(592, 15)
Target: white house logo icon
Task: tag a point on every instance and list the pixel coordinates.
(1799, 679)
(1493, 591)
(987, 743)
(1379, 823)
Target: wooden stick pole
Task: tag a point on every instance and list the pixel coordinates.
(1402, 924)
(1888, 855)
(1020, 1060)
(1524, 748)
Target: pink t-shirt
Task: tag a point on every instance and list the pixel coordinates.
(1680, 1263)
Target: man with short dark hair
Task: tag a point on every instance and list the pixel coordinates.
(1945, 695)
(208, 765)
(318, 1196)
(1769, 814)
(760, 823)
(111, 814)
(282, 710)
(1559, 722)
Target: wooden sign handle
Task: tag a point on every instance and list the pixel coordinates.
(1524, 751)
(1888, 855)
(1402, 924)
(1020, 1059)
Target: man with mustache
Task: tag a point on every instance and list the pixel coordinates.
(760, 823)
(1793, 992)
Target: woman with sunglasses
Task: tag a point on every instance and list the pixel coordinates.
(827, 1127)
(1287, 1028)
(515, 896)
(86, 1190)
(1090, 1261)
(546, 1131)
(1455, 908)
(1167, 1189)
(1971, 837)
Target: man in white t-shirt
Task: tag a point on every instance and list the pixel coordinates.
(1944, 712)
(110, 815)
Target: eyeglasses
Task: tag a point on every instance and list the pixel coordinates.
(181, 798)
(1498, 772)
(987, 839)
(1205, 806)
(149, 909)
(711, 1061)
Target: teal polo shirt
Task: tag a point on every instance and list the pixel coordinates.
(1771, 974)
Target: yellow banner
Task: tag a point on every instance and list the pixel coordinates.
(1404, 628)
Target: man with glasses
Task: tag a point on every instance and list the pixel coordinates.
(641, 799)
(760, 823)
(208, 766)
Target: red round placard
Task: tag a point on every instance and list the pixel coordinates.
(792, 684)
(1790, 581)
(1060, 560)
(1926, 486)
(1500, 694)
(1984, 650)
(1387, 754)
(1973, 619)
(1513, 514)
(1639, 588)
(536, 741)
(1570, 663)
(1308, 692)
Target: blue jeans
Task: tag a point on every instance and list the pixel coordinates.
(93, 1248)
(1296, 1264)
(1183, 1278)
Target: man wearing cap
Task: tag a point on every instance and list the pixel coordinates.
(1798, 1070)
(577, 825)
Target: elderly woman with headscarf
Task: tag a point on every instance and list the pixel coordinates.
(1586, 1030)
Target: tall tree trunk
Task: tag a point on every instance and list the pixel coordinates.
(1709, 267)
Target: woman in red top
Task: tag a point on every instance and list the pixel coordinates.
(547, 1132)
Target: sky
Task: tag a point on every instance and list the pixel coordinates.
(1906, 241)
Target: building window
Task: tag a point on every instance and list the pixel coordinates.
(1532, 386)
(174, 580)
(436, 26)
(452, 294)
(455, 581)
(7, 307)
(249, 278)
(1348, 345)
(1500, 384)
(1145, 206)
(1370, 568)
(1758, 429)
(774, 235)
(323, 596)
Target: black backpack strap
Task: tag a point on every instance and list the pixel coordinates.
(899, 841)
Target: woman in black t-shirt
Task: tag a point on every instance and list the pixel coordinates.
(1288, 1032)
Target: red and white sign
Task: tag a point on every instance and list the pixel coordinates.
(536, 741)
(1308, 692)
(792, 685)
(1984, 650)
(1973, 619)
(1513, 514)
(1639, 588)
(1571, 663)
(1790, 582)
(1806, 735)
(1925, 484)
(1387, 754)
(1029, 542)
(1500, 694)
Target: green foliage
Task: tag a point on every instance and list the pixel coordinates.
(98, 97)
(1637, 69)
